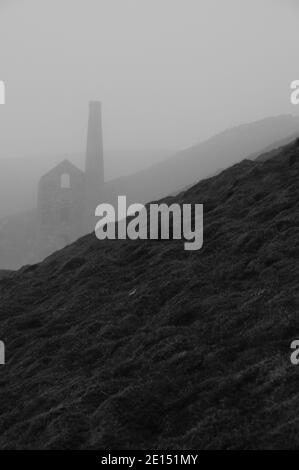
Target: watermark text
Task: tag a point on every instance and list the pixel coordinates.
(295, 92)
(2, 92)
(2, 353)
(154, 221)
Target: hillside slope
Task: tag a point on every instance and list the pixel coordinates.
(140, 344)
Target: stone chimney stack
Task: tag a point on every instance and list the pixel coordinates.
(94, 164)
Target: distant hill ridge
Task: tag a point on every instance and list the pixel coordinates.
(205, 159)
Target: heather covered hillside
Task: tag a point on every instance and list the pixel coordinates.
(140, 344)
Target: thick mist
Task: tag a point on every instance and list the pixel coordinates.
(171, 75)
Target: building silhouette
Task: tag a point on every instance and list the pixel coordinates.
(67, 196)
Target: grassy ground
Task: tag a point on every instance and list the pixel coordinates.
(197, 358)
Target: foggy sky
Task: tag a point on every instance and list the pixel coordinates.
(168, 72)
